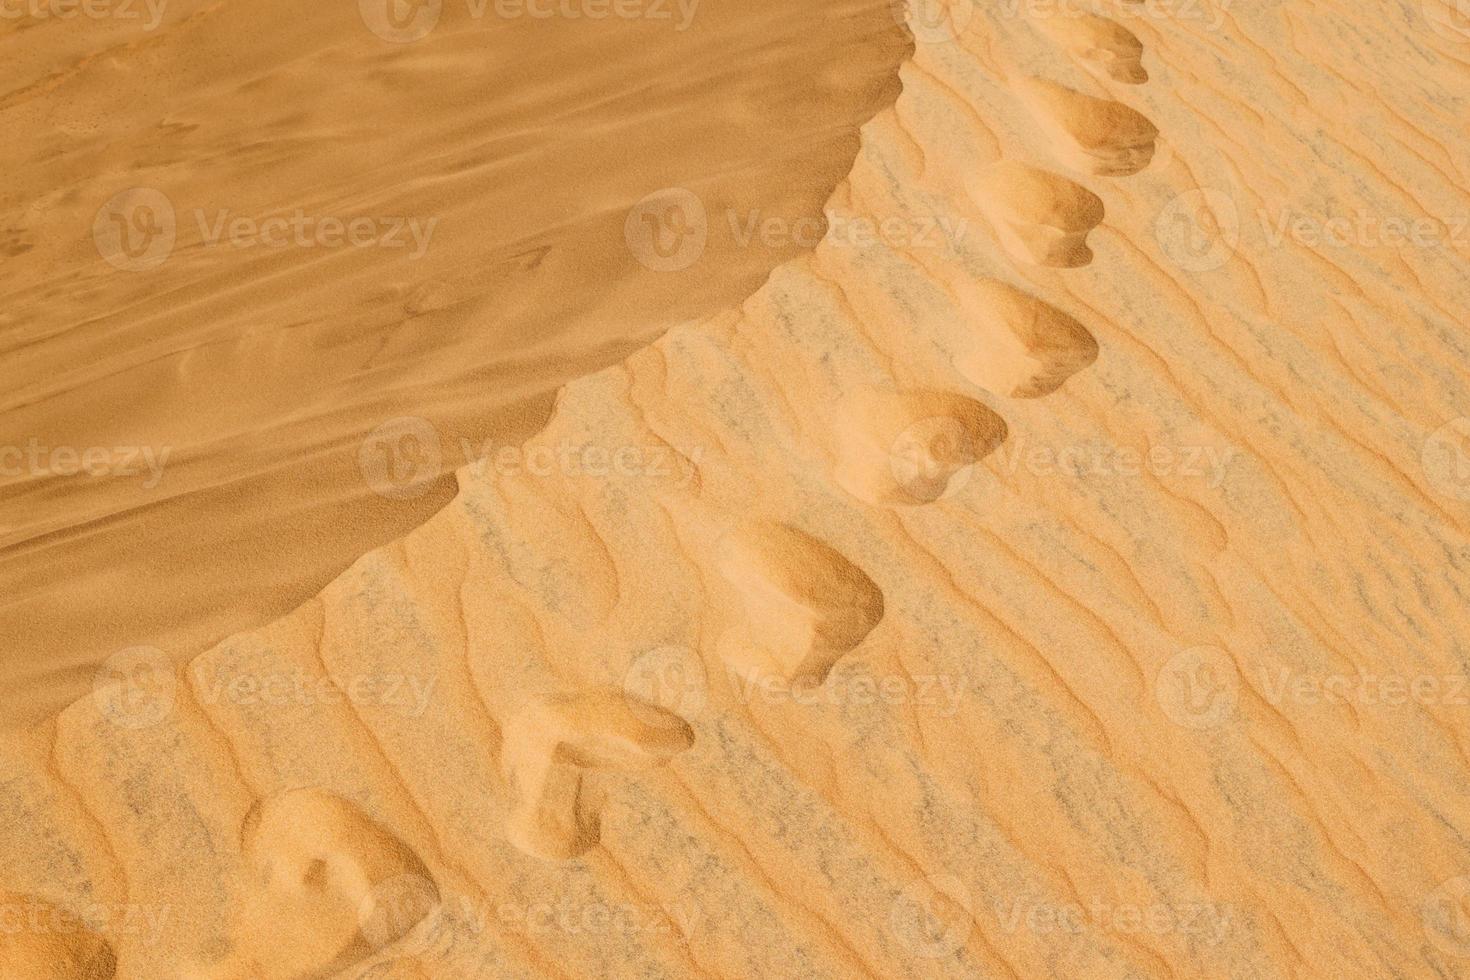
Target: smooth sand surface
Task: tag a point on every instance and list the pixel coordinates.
(232, 379)
(1061, 571)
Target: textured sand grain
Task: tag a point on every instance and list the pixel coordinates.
(1137, 652)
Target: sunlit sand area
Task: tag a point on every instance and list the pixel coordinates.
(677, 488)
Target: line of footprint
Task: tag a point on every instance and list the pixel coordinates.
(329, 885)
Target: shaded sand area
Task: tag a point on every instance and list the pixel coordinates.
(305, 230)
(1076, 592)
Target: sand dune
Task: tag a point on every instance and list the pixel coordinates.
(227, 375)
(1057, 571)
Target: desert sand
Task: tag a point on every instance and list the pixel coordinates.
(232, 368)
(1054, 567)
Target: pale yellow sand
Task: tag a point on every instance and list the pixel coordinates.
(963, 608)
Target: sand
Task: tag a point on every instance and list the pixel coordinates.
(227, 376)
(1057, 570)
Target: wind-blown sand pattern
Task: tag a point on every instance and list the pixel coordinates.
(1137, 652)
(231, 350)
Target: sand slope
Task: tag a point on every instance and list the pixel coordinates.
(968, 609)
(229, 368)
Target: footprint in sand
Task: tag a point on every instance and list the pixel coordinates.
(1096, 136)
(332, 887)
(907, 448)
(1100, 45)
(805, 605)
(553, 744)
(1019, 345)
(1041, 218)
